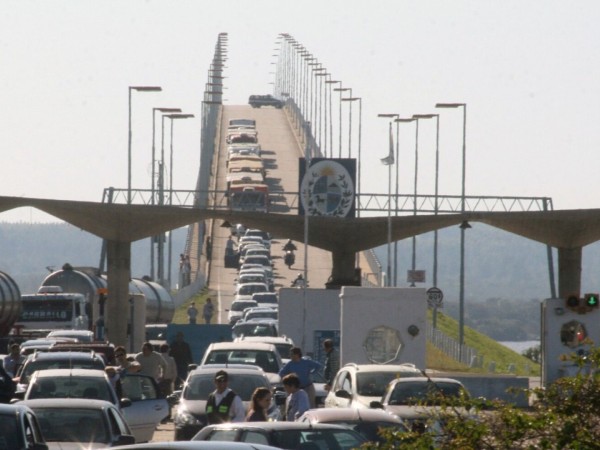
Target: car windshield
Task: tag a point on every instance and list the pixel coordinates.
(200, 386)
(264, 359)
(254, 329)
(373, 384)
(8, 431)
(240, 306)
(322, 439)
(72, 425)
(428, 391)
(249, 289)
(66, 363)
(261, 314)
(71, 387)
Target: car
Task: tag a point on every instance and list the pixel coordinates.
(259, 354)
(79, 335)
(252, 250)
(424, 390)
(282, 343)
(236, 309)
(251, 277)
(98, 423)
(31, 345)
(187, 445)
(260, 313)
(254, 328)
(257, 101)
(245, 291)
(56, 360)
(267, 269)
(357, 385)
(285, 435)
(258, 259)
(266, 298)
(367, 422)
(20, 429)
(189, 415)
(156, 334)
(242, 123)
(142, 404)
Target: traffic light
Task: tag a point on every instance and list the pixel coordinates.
(573, 301)
(592, 301)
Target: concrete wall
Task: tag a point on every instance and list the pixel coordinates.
(356, 312)
(372, 318)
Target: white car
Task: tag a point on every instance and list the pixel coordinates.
(282, 343)
(266, 299)
(259, 354)
(357, 385)
(80, 335)
(245, 291)
(260, 313)
(237, 308)
(251, 277)
(141, 404)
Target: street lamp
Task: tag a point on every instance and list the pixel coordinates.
(463, 227)
(359, 99)
(435, 208)
(152, 185)
(340, 90)
(138, 89)
(330, 82)
(389, 161)
(172, 117)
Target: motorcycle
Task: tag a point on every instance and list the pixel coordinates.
(299, 283)
(289, 258)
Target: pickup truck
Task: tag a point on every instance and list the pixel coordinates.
(256, 101)
(20, 429)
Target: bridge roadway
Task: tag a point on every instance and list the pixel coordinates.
(281, 151)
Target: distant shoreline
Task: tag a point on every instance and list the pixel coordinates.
(520, 346)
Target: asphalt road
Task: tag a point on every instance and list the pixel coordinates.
(164, 432)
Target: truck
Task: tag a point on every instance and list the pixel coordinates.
(52, 309)
(249, 197)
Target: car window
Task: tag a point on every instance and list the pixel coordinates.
(222, 435)
(255, 437)
(137, 387)
(373, 384)
(346, 382)
(71, 387)
(200, 386)
(116, 422)
(67, 363)
(8, 431)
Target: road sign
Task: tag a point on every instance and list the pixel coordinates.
(415, 276)
(434, 297)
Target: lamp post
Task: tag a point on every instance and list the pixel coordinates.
(393, 116)
(436, 192)
(389, 161)
(323, 74)
(463, 227)
(331, 82)
(169, 256)
(340, 90)
(138, 89)
(152, 185)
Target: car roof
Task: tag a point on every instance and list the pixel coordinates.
(55, 373)
(279, 425)
(406, 367)
(82, 403)
(66, 354)
(70, 332)
(364, 414)
(199, 445)
(424, 380)
(266, 339)
(242, 346)
(14, 408)
(231, 369)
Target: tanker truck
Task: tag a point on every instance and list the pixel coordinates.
(10, 306)
(87, 289)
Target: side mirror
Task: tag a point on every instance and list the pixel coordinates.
(125, 402)
(173, 399)
(343, 394)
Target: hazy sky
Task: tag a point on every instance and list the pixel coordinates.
(528, 71)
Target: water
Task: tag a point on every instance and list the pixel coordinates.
(520, 346)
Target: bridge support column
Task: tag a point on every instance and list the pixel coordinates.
(117, 304)
(569, 271)
(343, 272)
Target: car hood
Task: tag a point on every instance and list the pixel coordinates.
(75, 446)
(274, 378)
(198, 407)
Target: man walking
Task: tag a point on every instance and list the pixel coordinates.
(332, 363)
(192, 313)
(302, 368)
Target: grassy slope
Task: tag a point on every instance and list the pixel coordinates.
(486, 347)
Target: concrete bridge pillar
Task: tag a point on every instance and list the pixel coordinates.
(118, 255)
(569, 271)
(343, 272)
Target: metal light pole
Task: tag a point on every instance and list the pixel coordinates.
(463, 227)
(139, 89)
(436, 206)
(389, 161)
(152, 185)
(340, 90)
(330, 82)
(169, 256)
(323, 74)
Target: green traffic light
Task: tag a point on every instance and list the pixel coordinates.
(592, 300)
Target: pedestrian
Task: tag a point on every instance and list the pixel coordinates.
(182, 354)
(261, 401)
(208, 310)
(151, 362)
(13, 360)
(192, 313)
(7, 386)
(302, 367)
(181, 270)
(187, 270)
(230, 246)
(223, 404)
(208, 247)
(332, 363)
(124, 364)
(170, 374)
(297, 401)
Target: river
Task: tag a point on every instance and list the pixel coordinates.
(520, 346)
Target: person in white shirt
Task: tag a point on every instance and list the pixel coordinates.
(151, 362)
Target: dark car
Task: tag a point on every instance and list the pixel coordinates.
(256, 101)
(285, 435)
(19, 428)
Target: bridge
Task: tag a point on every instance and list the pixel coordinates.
(128, 215)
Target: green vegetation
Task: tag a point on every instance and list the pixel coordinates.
(488, 350)
(199, 299)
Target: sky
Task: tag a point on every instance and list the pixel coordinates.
(528, 72)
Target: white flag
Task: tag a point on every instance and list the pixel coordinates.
(389, 159)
